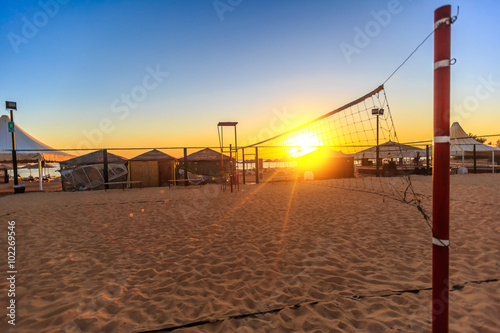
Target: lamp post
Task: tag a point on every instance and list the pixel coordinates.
(13, 106)
(378, 112)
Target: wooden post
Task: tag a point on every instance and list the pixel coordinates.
(256, 165)
(474, 154)
(427, 158)
(441, 171)
(40, 174)
(492, 161)
(185, 166)
(105, 167)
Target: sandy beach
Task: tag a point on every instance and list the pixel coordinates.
(295, 257)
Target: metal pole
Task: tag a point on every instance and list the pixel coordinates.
(256, 165)
(441, 171)
(14, 154)
(243, 156)
(231, 174)
(105, 162)
(377, 150)
(492, 161)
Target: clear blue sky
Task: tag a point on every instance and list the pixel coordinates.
(68, 64)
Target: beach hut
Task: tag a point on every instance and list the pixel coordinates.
(153, 168)
(326, 163)
(86, 172)
(205, 162)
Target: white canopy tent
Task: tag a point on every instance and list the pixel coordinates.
(29, 149)
(391, 149)
(461, 143)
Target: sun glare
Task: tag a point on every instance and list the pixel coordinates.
(302, 144)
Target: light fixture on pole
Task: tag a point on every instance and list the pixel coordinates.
(378, 112)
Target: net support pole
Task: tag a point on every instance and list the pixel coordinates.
(492, 161)
(441, 170)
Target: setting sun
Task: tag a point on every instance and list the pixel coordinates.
(302, 144)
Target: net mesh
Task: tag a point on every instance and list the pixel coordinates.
(340, 149)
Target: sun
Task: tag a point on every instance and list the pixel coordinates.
(302, 144)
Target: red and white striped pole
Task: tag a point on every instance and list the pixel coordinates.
(441, 171)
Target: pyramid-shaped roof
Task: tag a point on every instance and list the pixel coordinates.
(206, 154)
(29, 148)
(153, 155)
(95, 157)
(462, 142)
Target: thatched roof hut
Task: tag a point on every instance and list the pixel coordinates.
(205, 162)
(153, 155)
(96, 157)
(205, 155)
(85, 172)
(153, 168)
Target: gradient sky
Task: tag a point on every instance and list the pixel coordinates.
(68, 64)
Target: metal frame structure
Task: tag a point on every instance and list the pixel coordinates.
(233, 168)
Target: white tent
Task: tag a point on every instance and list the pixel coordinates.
(28, 149)
(391, 149)
(461, 143)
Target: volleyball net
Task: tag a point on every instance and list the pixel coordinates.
(354, 146)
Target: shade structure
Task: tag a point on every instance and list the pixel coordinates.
(95, 157)
(205, 162)
(35, 166)
(29, 149)
(87, 171)
(153, 168)
(461, 142)
(205, 155)
(153, 155)
(391, 149)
